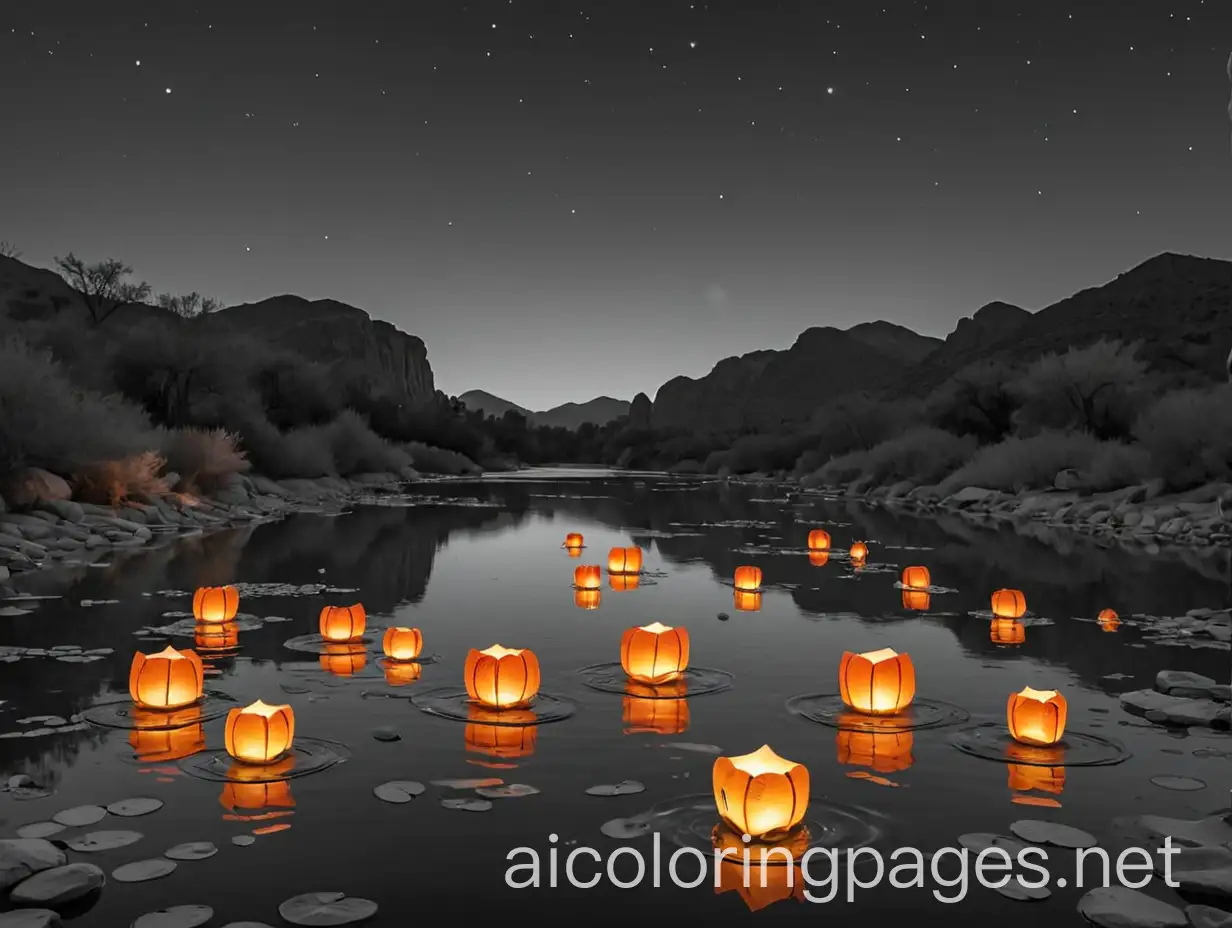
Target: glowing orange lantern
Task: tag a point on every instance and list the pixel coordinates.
(505, 741)
(858, 551)
(1009, 604)
(748, 579)
(502, 678)
(587, 577)
(918, 600)
(624, 560)
(819, 558)
(402, 673)
(876, 682)
(655, 716)
(254, 796)
(1108, 620)
(760, 794)
(916, 578)
(881, 751)
(224, 636)
(623, 582)
(401, 643)
(216, 603)
(819, 540)
(747, 601)
(654, 653)
(1007, 632)
(587, 599)
(1036, 716)
(573, 540)
(156, 746)
(343, 660)
(763, 886)
(259, 734)
(343, 623)
(1024, 778)
(170, 679)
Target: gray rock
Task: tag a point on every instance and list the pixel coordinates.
(21, 858)
(66, 509)
(58, 886)
(29, 486)
(1206, 916)
(27, 526)
(1121, 907)
(969, 495)
(232, 496)
(1183, 683)
(1171, 710)
(1154, 488)
(30, 918)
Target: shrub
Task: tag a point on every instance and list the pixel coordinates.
(356, 449)
(975, 401)
(850, 423)
(922, 454)
(1025, 463)
(112, 483)
(687, 466)
(1188, 435)
(204, 457)
(432, 460)
(302, 452)
(1117, 465)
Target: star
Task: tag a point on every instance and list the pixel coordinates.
(168, 90)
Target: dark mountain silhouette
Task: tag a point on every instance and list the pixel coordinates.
(895, 340)
(600, 411)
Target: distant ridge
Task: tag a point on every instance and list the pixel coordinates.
(601, 410)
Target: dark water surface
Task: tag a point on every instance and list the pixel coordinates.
(481, 563)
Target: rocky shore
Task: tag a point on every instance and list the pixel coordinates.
(41, 526)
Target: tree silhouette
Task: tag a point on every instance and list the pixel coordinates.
(8, 249)
(190, 305)
(102, 285)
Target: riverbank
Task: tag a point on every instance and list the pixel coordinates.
(52, 530)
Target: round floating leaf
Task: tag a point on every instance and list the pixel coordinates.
(512, 791)
(131, 808)
(1121, 907)
(246, 925)
(622, 828)
(1179, 783)
(193, 850)
(386, 733)
(693, 746)
(398, 791)
(177, 916)
(243, 840)
(141, 870)
(39, 830)
(623, 788)
(315, 909)
(1200, 916)
(1015, 889)
(467, 805)
(58, 886)
(30, 918)
(978, 841)
(1039, 832)
(103, 841)
(79, 816)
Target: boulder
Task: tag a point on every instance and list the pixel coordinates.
(968, 495)
(21, 858)
(32, 485)
(267, 487)
(58, 886)
(1184, 683)
(27, 526)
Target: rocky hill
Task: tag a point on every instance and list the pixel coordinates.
(601, 410)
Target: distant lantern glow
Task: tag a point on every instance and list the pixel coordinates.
(748, 579)
(746, 601)
(170, 679)
(573, 540)
(858, 553)
(624, 560)
(819, 558)
(917, 600)
(488, 732)
(401, 643)
(587, 576)
(760, 794)
(879, 751)
(215, 603)
(876, 682)
(1007, 632)
(1036, 716)
(343, 660)
(502, 678)
(819, 540)
(1009, 604)
(259, 733)
(1108, 620)
(655, 716)
(654, 653)
(916, 578)
(587, 599)
(343, 623)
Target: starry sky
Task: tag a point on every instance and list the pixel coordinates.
(573, 199)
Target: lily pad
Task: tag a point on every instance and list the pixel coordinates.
(693, 746)
(30, 918)
(131, 808)
(623, 788)
(467, 805)
(1038, 832)
(103, 841)
(314, 909)
(80, 816)
(58, 886)
(39, 830)
(398, 791)
(21, 858)
(141, 870)
(1015, 889)
(177, 916)
(512, 791)
(978, 841)
(1200, 916)
(1121, 907)
(243, 840)
(386, 733)
(192, 850)
(1178, 783)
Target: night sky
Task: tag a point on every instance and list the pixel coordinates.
(566, 200)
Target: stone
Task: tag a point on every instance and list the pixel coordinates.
(969, 495)
(1206, 916)
(1172, 710)
(1183, 683)
(232, 496)
(27, 487)
(1154, 488)
(1121, 907)
(66, 509)
(58, 886)
(30, 918)
(27, 526)
(21, 858)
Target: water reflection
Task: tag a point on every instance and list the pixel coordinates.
(761, 886)
(587, 599)
(746, 601)
(343, 660)
(881, 752)
(506, 741)
(162, 746)
(643, 715)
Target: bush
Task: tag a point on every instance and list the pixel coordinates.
(1025, 463)
(975, 401)
(923, 455)
(112, 483)
(356, 449)
(1117, 465)
(687, 466)
(430, 460)
(204, 457)
(302, 452)
(1188, 435)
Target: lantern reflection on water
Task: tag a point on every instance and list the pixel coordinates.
(402, 673)
(819, 558)
(917, 600)
(1007, 632)
(643, 715)
(215, 603)
(502, 678)
(158, 745)
(882, 752)
(876, 682)
(1024, 778)
(343, 660)
(760, 794)
(761, 886)
(169, 679)
(503, 741)
(623, 582)
(240, 796)
(224, 636)
(587, 599)
(746, 601)
(343, 623)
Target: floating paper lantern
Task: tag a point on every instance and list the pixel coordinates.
(858, 553)
(502, 678)
(259, 734)
(655, 716)
(159, 746)
(917, 600)
(819, 540)
(747, 601)
(401, 643)
(1007, 632)
(1009, 604)
(654, 653)
(343, 660)
(624, 560)
(916, 578)
(215, 603)
(819, 558)
(880, 751)
(761, 886)
(254, 796)
(343, 623)
(748, 579)
(876, 682)
(402, 673)
(504, 741)
(760, 794)
(223, 636)
(1036, 716)
(1024, 778)
(573, 540)
(170, 679)
(1108, 620)
(587, 577)
(587, 599)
